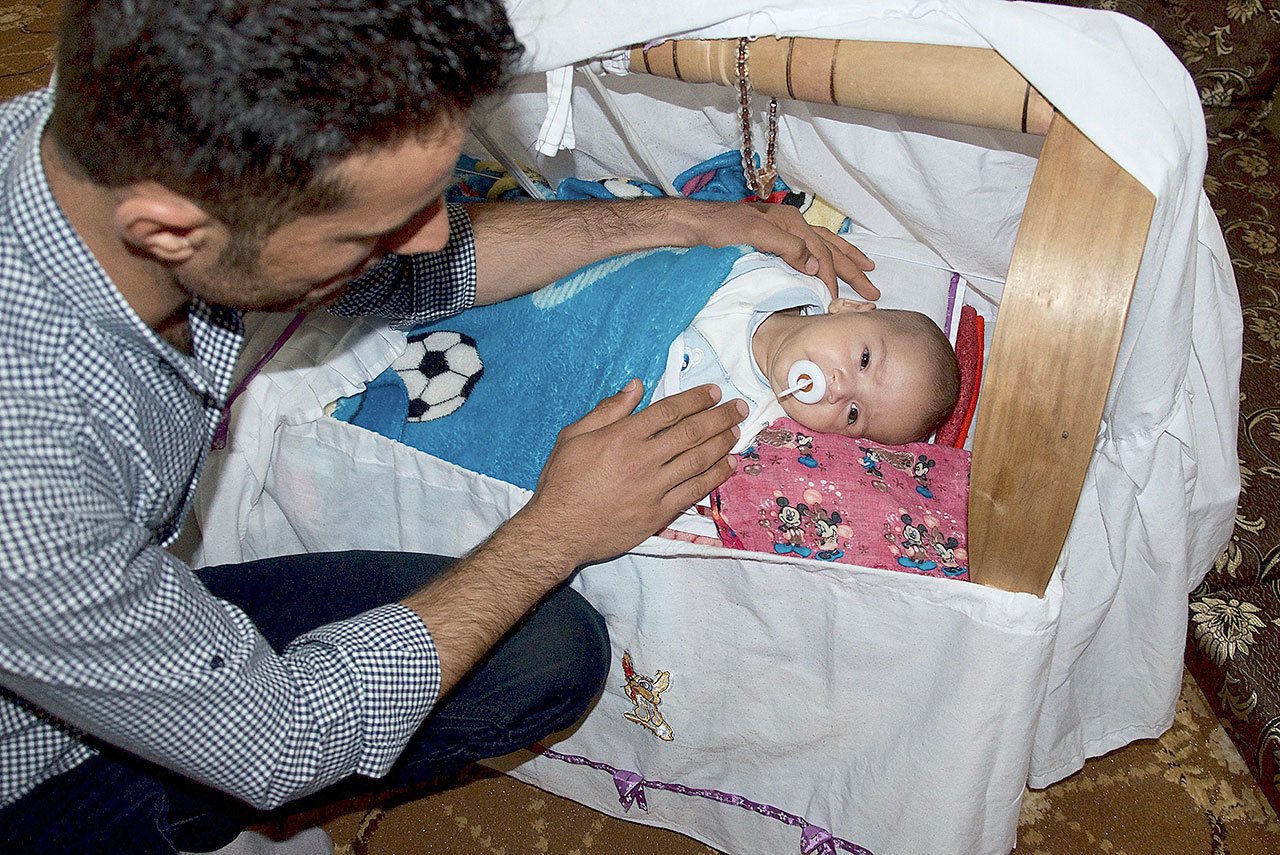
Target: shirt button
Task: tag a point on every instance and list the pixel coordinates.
(216, 662)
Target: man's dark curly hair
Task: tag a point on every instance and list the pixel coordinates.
(240, 104)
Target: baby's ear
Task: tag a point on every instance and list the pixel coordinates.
(844, 304)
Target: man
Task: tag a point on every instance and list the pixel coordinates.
(198, 159)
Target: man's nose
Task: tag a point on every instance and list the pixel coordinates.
(427, 232)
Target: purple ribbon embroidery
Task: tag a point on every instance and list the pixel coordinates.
(630, 790)
(814, 839)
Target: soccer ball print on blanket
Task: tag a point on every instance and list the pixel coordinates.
(439, 370)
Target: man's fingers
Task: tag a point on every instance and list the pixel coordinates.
(859, 282)
(608, 410)
(656, 418)
(695, 488)
(822, 262)
(778, 229)
(848, 250)
(696, 458)
(815, 250)
(850, 264)
(701, 428)
(791, 248)
(812, 258)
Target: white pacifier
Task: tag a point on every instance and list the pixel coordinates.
(806, 381)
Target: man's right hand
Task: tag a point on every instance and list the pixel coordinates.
(614, 479)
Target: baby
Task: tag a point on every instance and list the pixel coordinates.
(888, 375)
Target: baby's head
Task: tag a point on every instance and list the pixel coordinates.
(891, 374)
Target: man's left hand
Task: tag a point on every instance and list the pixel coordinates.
(783, 231)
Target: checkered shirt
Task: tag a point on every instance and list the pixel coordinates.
(103, 432)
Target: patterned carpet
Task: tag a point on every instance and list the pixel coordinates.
(1187, 792)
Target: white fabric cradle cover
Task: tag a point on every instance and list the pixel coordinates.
(869, 708)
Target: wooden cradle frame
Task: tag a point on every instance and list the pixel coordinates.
(1066, 294)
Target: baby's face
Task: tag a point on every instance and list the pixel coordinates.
(877, 378)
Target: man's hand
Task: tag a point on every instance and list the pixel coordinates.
(611, 481)
(614, 479)
(783, 231)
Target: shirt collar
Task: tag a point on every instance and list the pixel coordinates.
(71, 269)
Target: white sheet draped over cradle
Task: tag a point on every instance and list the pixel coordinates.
(903, 714)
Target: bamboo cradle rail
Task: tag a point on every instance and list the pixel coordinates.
(969, 86)
(1066, 294)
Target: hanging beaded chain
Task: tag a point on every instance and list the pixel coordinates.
(759, 181)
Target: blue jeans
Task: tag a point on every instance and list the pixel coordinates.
(539, 679)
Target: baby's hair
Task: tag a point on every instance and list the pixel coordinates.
(941, 358)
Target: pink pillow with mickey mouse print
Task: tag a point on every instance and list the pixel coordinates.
(833, 498)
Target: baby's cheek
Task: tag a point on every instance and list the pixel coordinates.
(803, 413)
(819, 418)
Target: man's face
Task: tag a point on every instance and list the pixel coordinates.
(878, 378)
(395, 204)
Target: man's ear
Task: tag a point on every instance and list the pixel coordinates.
(153, 220)
(844, 304)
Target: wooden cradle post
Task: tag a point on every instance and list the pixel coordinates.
(1058, 332)
(1066, 294)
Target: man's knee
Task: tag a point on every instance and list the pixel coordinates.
(541, 678)
(565, 659)
(583, 666)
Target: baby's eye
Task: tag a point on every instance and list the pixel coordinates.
(866, 359)
(853, 414)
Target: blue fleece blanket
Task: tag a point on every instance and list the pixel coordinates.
(489, 389)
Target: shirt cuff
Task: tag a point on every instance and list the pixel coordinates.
(395, 669)
(413, 289)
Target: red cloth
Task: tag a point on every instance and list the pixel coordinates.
(969, 342)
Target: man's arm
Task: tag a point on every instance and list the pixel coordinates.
(521, 246)
(636, 471)
(104, 630)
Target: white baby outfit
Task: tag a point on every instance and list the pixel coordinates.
(716, 346)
